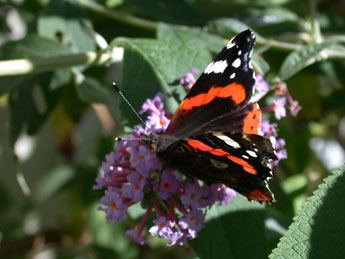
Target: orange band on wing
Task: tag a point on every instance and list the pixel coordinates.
(251, 122)
(196, 144)
(245, 165)
(260, 195)
(235, 91)
(203, 147)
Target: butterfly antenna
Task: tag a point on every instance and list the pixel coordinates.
(130, 106)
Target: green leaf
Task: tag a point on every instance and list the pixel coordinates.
(53, 182)
(109, 236)
(260, 64)
(191, 37)
(65, 20)
(251, 3)
(318, 229)
(271, 16)
(32, 96)
(231, 230)
(8, 83)
(303, 57)
(228, 27)
(89, 133)
(196, 38)
(152, 66)
(32, 101)
(33, 46)
(91, 90)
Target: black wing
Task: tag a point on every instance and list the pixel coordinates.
(240, 161)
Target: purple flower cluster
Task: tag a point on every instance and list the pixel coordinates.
(133, 174)
(278, 108)
(270, 130)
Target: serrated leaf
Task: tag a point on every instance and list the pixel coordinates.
(196, 38)
(64, 20)
(191, 37)
(318, 229)
(231, 230)
(152, 66)
(302, 58)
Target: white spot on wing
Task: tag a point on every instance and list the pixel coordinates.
(216, 67)
(245, 157)
(230, 45)
(236, 63)
(232, 75)
(239, 52)
(251, 153)
(228, 140)
(250, 56)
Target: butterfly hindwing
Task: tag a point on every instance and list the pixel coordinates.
(240, 161)
(225, 86)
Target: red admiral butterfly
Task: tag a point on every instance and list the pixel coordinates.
(213, 135)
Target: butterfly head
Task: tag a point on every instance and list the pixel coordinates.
(158, 142)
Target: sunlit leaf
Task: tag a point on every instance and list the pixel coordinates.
(191, 37)
(64, 20)
(303, 57)
(317, 230)
(152, 66)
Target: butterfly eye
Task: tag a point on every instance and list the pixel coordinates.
(180, 149)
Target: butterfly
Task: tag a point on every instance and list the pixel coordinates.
(214, 134)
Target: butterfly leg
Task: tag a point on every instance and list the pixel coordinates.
(160, 177)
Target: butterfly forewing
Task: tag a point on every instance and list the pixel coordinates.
(225, 86)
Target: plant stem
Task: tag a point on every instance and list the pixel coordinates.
(125, 18)
(25, 66)
(280, 45)
(315, 26)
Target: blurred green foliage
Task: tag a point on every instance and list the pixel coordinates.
(59, 115)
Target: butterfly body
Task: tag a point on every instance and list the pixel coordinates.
(214, 134)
